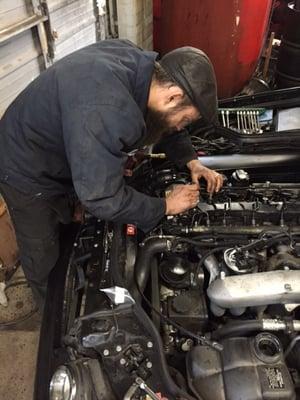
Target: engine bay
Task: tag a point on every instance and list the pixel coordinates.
(206, 305)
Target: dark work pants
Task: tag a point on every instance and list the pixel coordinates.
(37, 222)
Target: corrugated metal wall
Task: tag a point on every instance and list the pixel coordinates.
(21, 62)
(21, 57)
(72, 25)
(34, 34)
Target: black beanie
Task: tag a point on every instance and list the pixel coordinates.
(192, 70)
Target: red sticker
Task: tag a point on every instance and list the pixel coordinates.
(131, 230)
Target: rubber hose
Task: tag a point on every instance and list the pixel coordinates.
(152, 246)
(166, 378)
(237, 329)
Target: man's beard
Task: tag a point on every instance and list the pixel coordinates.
(157, 125)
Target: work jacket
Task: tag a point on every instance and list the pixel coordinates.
(71, 127)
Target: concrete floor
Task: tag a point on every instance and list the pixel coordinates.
(18, 343)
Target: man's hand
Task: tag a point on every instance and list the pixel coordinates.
(213, 179)
(182, 198)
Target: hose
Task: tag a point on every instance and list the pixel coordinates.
(155, 295)
(177, 392)
(207, 254)
(239, 328)
(150, 247)
(202, 339)
(291, 346)
(264, 242)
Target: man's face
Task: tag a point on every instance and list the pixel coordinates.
(160, 123)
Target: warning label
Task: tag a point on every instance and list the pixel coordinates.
(275, 378)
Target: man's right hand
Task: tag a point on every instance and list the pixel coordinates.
(182, 198)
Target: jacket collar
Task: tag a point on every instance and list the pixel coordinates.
(143, 79)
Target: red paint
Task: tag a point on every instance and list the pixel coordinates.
(231, 32)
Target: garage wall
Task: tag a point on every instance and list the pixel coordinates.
(135, 21)
(21, 56)
(34, 34)
(72, 25)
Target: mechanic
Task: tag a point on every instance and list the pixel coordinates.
(70, 129)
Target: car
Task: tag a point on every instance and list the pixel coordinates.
(204, 306)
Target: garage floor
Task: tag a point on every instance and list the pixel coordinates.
(18, 343)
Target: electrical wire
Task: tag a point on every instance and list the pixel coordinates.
(202, 339)
(250, 246)
(267, 242)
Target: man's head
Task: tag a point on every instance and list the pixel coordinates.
(182, 90)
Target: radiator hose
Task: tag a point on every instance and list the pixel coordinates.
(148, 249)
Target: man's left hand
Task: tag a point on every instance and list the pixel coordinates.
(213, 179)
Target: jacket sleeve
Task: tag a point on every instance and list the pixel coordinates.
(94, 139)
(178, 148)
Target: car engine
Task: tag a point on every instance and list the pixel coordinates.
(206, 305)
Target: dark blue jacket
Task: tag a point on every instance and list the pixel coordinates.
(69, 128)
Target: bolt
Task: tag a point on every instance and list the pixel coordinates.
(118, 348)
(98, 232)
(96, 245)
(75, 244)
(122, 361)
(106, 352)
(149, 345)
(149, 364)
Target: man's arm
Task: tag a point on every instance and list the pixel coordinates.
(94, 138)
(179, 149)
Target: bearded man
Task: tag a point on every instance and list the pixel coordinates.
(69, 131)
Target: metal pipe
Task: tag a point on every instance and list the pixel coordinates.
(256, 289)
(223, 118)
(227, 118)
(212, 266)
(241, 161)
(240, 230)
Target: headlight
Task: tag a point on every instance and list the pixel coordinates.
(62, 385)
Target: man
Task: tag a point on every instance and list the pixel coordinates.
(71, 128)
